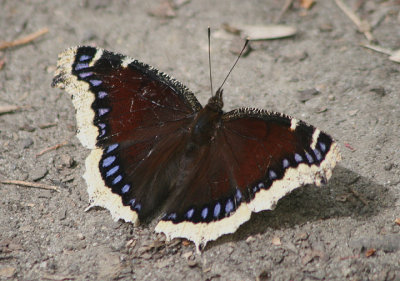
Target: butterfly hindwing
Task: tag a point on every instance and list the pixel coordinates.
(262, 156)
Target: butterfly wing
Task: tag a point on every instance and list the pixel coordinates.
(124, 108)
(257, 157)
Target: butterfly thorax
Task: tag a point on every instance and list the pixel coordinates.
(207, 121)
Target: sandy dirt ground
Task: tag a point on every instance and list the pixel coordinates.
(346, 230)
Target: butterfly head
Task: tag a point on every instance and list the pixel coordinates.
(216, 102)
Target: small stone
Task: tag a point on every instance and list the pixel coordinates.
(28, 128)
(250, 239)
(302, 236)
(67, 160)
(146, 256)
(26, 143)
(388, 166)
(187, 255)
(295, 56)
(305, 95)
(38, 173)
(276, 241)
(81, 236)
(192, 262)
(353, 112)
(325, 27)
(380, 91)
(263, 276)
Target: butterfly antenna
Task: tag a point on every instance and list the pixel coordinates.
(241, 52)
(209, 59)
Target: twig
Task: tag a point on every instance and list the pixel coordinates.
(54, 147)
(358, 196)
(285, 7)
(24, 40)
(378, 49)
(47, 125)
(362, 25)
(31, 184)
(9, 108)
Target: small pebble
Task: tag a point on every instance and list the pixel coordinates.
(305, 95)
(250, 239)
(38, 173)
(388, 166)
(26, 143)
(325, 27)
(380, 91)
(67, 160)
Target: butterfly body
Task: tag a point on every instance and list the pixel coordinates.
(156, 150)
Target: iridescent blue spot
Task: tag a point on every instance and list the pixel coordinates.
(238, 195)
(261, 185)
(322, 146)
(112, 171)
(132, 202)
(172, 216)
(298, 158)
(95, 82)
(204, 213)
(103, 132)
(285, 163)
(85, 74)
(137, 207)
(309, 158)
(103, 111)
(101, 125)
(117, 179)
(317, 154)
(102, 94)
(229, 206)
(111, 147)
(217, 209)
(189, 214)
(84, 57)
(272, 175)
(126, 188)
(80, 66)
(108, 161)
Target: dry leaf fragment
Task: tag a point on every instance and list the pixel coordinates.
(307, 4)
(395, 56)
(276, 241)
(370, 252)
(397, 221)
(267, 32)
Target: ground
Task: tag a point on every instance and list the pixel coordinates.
(345, 230)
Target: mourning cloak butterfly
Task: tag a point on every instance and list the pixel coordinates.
(156, 150)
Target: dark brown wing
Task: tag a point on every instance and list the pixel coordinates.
(124, 108)
(256, 158)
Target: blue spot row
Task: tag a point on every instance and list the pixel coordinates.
(84, 57)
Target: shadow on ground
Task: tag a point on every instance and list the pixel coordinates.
(346, 195)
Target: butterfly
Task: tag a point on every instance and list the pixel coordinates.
(156, 152)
